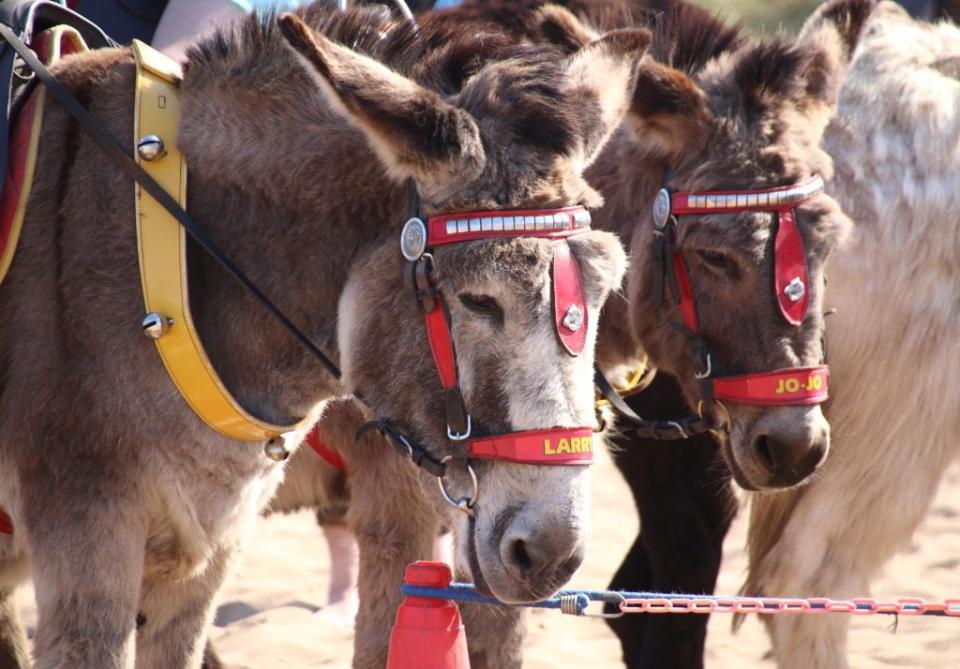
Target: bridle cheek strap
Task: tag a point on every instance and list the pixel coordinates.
(553, 446)
(780, 387)
(441, 344)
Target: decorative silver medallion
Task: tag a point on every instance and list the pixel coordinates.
(155, 325)
(413, 239)
(795, 290)
(661, 208)
(276, 449)
(573, 319)
(150, 147)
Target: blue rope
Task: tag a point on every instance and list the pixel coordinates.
(576, 602)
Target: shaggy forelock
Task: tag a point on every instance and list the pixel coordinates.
(530, 82)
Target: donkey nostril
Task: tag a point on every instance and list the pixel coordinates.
(520, 555)
(762, 448)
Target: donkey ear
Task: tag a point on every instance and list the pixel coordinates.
(807, 74)
(558, 26)
(838, 24)
(603, 75)
(414, 132)
(668, 113)
(831, 35)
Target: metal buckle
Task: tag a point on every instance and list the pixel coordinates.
(464, 504)
(454, 436)
(705, 374)
(681, 433)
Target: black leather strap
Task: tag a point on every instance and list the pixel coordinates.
(25, 18)
(121, 156)
(664, 430)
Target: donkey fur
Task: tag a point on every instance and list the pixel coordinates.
(123, 500)
(892, 340)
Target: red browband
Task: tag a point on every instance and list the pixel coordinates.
(573, 446)
(473, 225)
(554, 446)
(793, 386)
(6, 525)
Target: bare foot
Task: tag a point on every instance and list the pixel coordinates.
(443, 548)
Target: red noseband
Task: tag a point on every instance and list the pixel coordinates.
(557, 446)
(553, 446)
(792, 386)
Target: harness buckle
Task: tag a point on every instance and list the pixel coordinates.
(459, 424)
(705, 365)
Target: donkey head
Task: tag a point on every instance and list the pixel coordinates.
(517, 136)
(750, 120)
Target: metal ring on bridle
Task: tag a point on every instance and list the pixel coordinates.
(464, 504)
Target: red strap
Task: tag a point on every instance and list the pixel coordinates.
(6, 525)
(767, 199)
(553, 446)
(569, 305)
(790, 267)
(471, 225)
(441, 344)
(687, 306)
(792, 386)
(325, 451)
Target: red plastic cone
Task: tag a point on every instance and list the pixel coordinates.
(428, 633)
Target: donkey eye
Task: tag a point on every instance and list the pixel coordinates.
(481, 304)
(718, 262)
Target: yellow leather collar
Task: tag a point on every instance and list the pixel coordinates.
(163, 257)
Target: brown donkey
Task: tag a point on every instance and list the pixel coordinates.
(754, 113)
(129, 509)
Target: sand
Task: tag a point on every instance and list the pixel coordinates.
(268, 617)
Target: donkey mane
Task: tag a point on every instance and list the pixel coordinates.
(439, 53)
(686, 36)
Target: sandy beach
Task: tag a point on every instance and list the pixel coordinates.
(268, 617)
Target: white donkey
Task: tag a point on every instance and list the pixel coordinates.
(894, 342)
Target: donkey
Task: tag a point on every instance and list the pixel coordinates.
(759, 112)
(892, 341)
(128, 510)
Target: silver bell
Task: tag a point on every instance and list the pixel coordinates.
(150, 147)
(155, 325)
(276, 449)
(573, 319)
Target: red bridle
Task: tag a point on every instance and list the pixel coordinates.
(788, 386)
(551, 446)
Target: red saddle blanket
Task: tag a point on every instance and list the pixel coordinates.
(49, 45)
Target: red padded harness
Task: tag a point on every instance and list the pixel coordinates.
(789, 386)
(552, 446)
